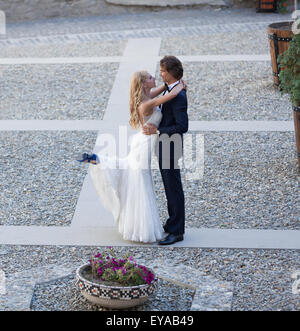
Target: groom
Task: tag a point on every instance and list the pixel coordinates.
(170, 148)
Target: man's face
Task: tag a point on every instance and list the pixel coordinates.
(166, 77)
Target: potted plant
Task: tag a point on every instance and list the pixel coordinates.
(280, 35)
(266, 6)
(289, 63)
(115, 283)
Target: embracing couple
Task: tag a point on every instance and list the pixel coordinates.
(160, 115)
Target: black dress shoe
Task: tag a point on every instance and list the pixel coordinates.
(165, 228)
(171, 239)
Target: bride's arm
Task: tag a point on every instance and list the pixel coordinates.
(148, 106)
(156, 91)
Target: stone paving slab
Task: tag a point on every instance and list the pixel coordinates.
(19, 286)
(101, 126)
(163, 19)
(125, 34)
(68, 49)
(167, 3)
(109, 236)
(210, 293)
(262, 279)
(134, 58)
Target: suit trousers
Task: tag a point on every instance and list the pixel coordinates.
(175, 197)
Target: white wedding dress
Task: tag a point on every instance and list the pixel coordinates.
(127, 191)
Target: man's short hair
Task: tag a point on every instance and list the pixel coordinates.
(172, 65)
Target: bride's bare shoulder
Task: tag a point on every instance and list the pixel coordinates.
(145, 108)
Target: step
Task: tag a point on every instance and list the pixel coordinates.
(167, 3)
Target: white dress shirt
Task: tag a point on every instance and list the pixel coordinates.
(172, 85)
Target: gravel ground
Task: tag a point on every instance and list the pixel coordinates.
(88, 49)
(255, 42)
(81, 91)
(233, 91)
(44, 190)
(55, 91)
(163, 19)
(62, 295)
(255, 186)
(40, 179)
(262, 278)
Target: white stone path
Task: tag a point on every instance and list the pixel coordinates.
(92, 224)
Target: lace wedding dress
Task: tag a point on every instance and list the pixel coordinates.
(127, 191)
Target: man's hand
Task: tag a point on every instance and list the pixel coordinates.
(149, 129)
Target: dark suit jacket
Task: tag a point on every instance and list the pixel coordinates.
(175, 118)
(174, 121)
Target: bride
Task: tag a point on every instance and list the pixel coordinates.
(128, 191)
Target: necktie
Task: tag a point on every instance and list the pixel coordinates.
(167, 87)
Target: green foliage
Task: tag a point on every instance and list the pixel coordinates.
(289, 75)
(282, 6)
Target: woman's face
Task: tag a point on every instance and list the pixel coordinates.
(150, 81)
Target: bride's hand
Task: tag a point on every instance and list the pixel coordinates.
(149, 129)
(178, 88)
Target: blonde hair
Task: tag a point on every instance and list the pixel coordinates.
(136, 96)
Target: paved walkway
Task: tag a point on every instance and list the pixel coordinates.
(229, 268)
(92, 224)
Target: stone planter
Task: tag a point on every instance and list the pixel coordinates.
(113, 297)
